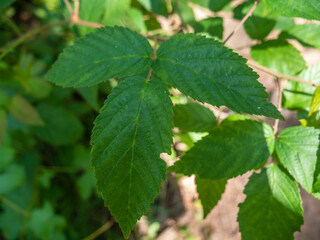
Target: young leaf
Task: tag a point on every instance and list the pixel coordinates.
(272, 209)
(209, 72)
(133, 128)
(210, 192)
(278, 55)
(61, 127)
(297, 149)
(22, 110)
(193, 117)
(228, 151)
(295, 8)
(106, 53)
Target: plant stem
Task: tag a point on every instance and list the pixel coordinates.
(279, 106)
(70, 10)
(14, 206)
(242, 21)
(100, 230)
(280, 75)
(154, 56)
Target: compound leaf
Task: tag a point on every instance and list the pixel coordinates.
(193, 117)
(297, 149)
(228, 151)
(209, 72)
(106, 53)
(210, 192)
(295, 8)
(133, 128)
(272, 209)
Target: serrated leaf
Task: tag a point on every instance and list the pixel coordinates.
(297, 149)
(193, 117)
(273, 207)
(156, 6)
(278, 55)
(209, 72)
(133, 128)
(212, 26)
(298, 95)
(3, 126)
(61, 127)
(210, 192)
(22, 110)
(228, 151)
(106, 53)
(306, 34)
(295, 8)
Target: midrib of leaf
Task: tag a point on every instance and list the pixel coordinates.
(132, 146)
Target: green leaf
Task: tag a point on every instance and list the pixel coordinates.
(278, 55)
(115, 11)
(156, 6)
(306, 34)
(228, 151)
(3, 126)
(5, 3)
(297, 149)
(295, 8)
(261, 22)
(298, 95)
(214, 5)
(273, 207)
(209, 72)
(314, 113)
(7, 156)
(90, 94)
(45, 224)
(91, 11)
(183, 9)
(133, 128)
(210, 192)
(213, 26)
(106, 53)
(12, 177)
(193, 117)
(22, 110)
(61, 127)
(136, 20)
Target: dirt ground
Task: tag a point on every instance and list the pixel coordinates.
(221, 223)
